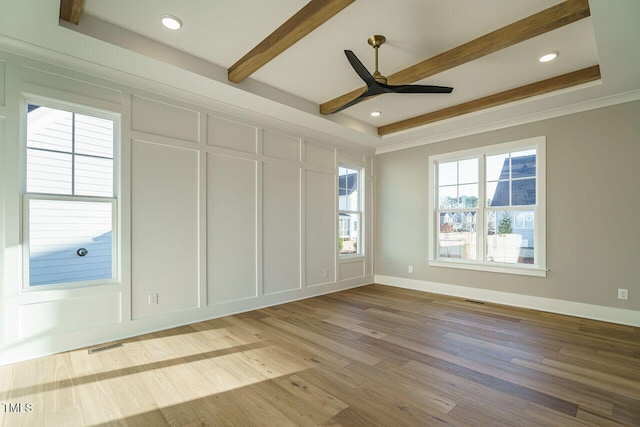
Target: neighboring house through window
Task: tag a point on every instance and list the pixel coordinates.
(349, 210)
(70, 200)
(487, 208)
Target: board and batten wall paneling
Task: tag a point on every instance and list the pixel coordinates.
(166, 120)
(320, 223)
(54, 85)
(188, 214)
(68, 315)
(3, 84)
(232, 135)
(319, 155)
(281, 228)
(369, 184)
(4, 177)
(231, 228)
(280, 146)
(165, 234)
(351, 270)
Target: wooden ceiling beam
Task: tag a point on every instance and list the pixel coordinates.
(549, 19)
(70, 10)
(307, 19)
(585, 75)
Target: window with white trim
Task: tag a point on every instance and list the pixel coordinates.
(487, 208)
(69, 200)
(349, 210)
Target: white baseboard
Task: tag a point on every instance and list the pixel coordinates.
(588, 311)
(44, 344)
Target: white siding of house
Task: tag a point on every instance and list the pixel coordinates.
(57, 229)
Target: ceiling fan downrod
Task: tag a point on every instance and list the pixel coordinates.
(377, 41)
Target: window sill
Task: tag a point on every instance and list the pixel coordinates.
(350, 258)
(499, 268)
(46, 293)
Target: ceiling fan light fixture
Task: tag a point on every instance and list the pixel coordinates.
(171, 22)
(547, 57)
(375, 113)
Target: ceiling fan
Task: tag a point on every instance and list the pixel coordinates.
(377, 83)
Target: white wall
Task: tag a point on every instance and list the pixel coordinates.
(219, 213)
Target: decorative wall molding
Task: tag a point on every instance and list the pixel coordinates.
(164, 135)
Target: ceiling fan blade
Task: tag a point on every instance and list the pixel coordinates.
(359, 68)
(360, 98)
(418, 88)
(374, 87)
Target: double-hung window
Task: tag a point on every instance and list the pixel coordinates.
(487, 208)
(70, 200)
(349, 210)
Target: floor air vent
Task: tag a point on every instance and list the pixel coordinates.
(474, 302)
(106, 347)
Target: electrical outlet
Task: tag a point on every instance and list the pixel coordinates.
(153, 299)
(623, 294)
(410, 269)
(325, 272)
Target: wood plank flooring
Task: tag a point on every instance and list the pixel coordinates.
(371, 356)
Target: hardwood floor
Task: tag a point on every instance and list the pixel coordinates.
(371, 356)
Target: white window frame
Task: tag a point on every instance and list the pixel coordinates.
(539, 268)
(27, 196)
(359, 212)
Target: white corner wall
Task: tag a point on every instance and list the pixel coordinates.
(219, 213)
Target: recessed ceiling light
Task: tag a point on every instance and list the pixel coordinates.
(171, 22)
(376, 113)
(548, 57)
